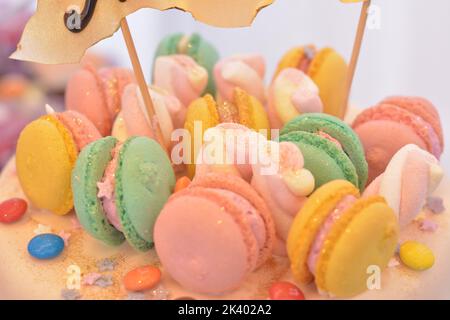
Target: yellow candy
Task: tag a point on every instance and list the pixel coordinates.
(416, 256)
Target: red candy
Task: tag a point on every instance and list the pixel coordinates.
(12, 210)
(285, 291)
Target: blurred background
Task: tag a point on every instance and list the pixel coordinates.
(406, 51)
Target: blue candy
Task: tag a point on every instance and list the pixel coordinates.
(46, 246)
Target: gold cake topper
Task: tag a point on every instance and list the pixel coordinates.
(62, 30)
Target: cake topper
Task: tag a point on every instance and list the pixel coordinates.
(356, 47)
(62, 30)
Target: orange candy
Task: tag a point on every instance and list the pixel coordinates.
(182, 183)
(141, 279)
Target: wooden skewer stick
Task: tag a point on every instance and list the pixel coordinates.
(356, 50)
(141, 81)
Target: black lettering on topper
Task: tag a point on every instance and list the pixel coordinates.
(76, 22)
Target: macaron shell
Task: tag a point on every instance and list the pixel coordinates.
(340, 131)
(85, 94)
(323, 158)
(144, 181)
(242, 188)
(114, 81)
(211, 257)
(308, 222)
(421, 107)
(365, 236)
(203, 110)
(291, 59)
(89, 170)
(329, 71)
(205, 55)
(81, 128)
(379, 145)
(168, 45)
(252, 114)
(45, 157)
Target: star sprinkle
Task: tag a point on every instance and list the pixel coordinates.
(104, 281)
(42, 229)
(393, 263)
(428, 225)
(91, 278)
(65, 236)
(75, 223)
(105, 190)
(160, 293)
(106, 265)
(70, 294)
(136, 296)
(435, 205)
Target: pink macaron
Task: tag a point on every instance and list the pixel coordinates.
(410, 177)
(211, 235)
(97, 94)
(81, 128)
(245, 71)
(394, 123)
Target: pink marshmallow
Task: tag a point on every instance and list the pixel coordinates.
(242, 71)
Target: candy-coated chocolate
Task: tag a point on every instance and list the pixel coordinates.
(46, 246)
(416, 255)
(12, 210)
(284, 290)
(182, 183)
(142, 278)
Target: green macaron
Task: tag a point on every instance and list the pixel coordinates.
(314, 134)
(143, 181)
(203, 52)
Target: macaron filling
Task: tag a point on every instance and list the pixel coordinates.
(325, 135)
(228, 112)
(252, 218)
(106, 189)
(341, 207)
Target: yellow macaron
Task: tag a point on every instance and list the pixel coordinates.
(327, 69)
(338, 238)
(46, 153)
(205, 113)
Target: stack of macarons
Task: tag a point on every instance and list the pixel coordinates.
(326, 68)
(301, 200)
(195, 46)
(120, 188)
(331, 149)
(211, 235)
(395, 122)
(45, 156)
(97, 94)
